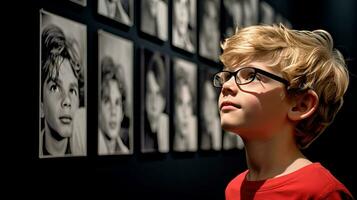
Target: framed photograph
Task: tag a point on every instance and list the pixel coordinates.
(267, 13)
(119, 10)
(80, 2)
(154, 18)
(185, 114)
(184, 25)
(115, 94)
(238, 14)
(155, 121)
(62, 103)
(209, 30)
(210, 123)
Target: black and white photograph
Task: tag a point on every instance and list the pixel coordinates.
(267, 13)
(184, 24)
(210, 123)
(119, 10)
(238, 14)
(80, 2)
(232, 141)
(209, 30)
(62, 103)
(154, 18)
(155, 127)
(115, 94)
(185, 114)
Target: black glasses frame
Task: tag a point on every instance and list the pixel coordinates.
(256, 71)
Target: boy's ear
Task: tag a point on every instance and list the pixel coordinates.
(304, 106)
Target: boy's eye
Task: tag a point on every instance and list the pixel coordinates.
(74, 91)
(258, 77)
(225, 77)
(105, 99)
(247, 75)
(117, 102)
(54, 87)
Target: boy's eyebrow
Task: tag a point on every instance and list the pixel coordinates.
(74, 84)
(55, 80)
(59, 82)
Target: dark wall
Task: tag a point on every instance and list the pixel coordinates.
(200, 175)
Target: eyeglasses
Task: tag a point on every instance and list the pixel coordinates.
(244, 76)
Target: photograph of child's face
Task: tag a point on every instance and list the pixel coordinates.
(209, 30)
(115, 94)
(183, 108)
(181, 16)
(61, 100)
(62, 87)
(185, 119)
(184, 25)
(154, 18)
(211, 131)
(111, 109)
(118, 10)
(155, 102)
(155, 116)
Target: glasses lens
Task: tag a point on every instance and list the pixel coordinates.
(245, 75)
(220, 78)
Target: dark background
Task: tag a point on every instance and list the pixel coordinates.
(200, 175)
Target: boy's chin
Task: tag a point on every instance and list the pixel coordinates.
(229, 127)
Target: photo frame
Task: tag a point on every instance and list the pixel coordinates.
(183, 30)
(62, 86)
(184, 101)
(115, 94)
(155, 91)
(121, 11)
(210, 123)
(154, 18)
(209, 30)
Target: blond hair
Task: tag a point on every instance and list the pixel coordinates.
(306, 59)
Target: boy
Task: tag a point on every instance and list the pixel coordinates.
(280, 89)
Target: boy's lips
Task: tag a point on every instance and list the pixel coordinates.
(65, 119)
(228, 104)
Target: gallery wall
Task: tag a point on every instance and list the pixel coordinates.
(198, 174)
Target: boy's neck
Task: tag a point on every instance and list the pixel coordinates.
(274, 157)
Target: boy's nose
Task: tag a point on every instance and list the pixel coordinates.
(66, 102)
(229, 87)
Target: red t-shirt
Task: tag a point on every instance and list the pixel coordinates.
(311, 182)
